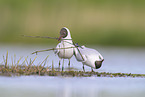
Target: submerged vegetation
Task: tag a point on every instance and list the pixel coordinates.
(28, 68)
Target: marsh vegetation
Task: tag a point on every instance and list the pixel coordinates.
(28, 68)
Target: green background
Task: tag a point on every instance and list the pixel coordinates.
(96, 22)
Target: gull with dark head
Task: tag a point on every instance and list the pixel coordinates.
(89, 57)
(66, 42)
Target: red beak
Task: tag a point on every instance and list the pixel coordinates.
(60, 38)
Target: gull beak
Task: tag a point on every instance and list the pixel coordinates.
(60, 37)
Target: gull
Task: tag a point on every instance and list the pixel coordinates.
(88, 56)
(65, 42)
(64, 50)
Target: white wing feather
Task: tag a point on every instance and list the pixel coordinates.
(57, 50)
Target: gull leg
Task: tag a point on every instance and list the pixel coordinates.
(69, 64)
(92, 70)
(59, 65)
(63, 65)
(83, 68)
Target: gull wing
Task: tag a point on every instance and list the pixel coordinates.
(56, 51)
(79, 55)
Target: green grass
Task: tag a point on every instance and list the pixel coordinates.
(28, 68)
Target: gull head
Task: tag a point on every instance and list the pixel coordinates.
(98, 64)
(64, 34)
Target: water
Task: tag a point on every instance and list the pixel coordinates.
(127, 60)
(34, 86)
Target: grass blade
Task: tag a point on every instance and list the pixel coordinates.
(6, 61)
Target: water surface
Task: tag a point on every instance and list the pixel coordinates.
(127, 60)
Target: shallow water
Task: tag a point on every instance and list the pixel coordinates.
(29, 86)
(127, 60)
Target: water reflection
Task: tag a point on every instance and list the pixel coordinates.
(28, 86)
